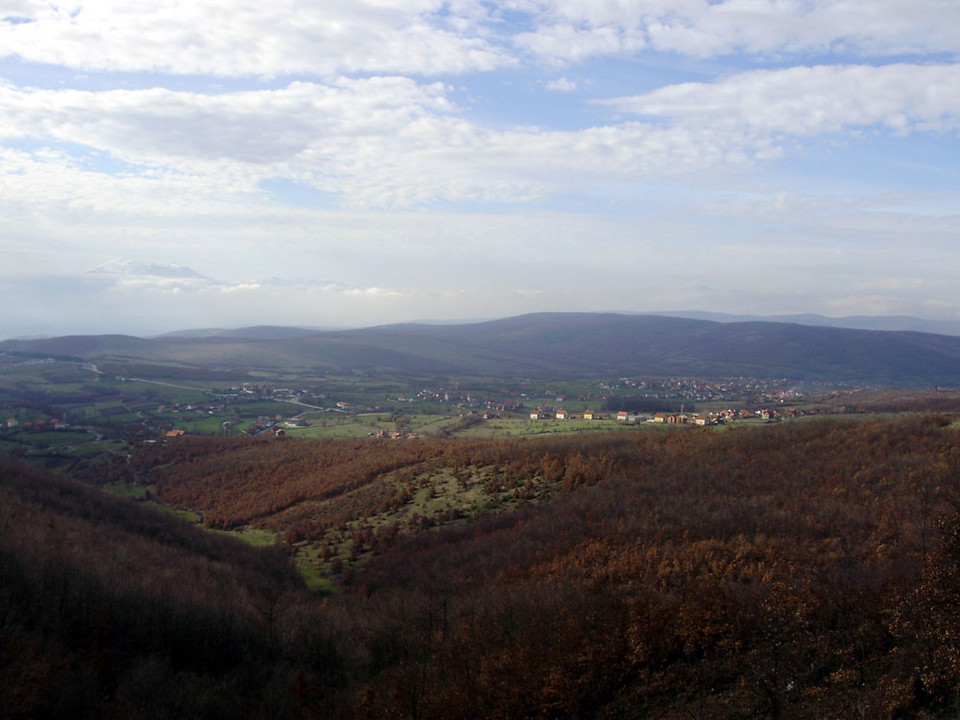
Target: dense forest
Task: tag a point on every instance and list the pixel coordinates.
(799, 570)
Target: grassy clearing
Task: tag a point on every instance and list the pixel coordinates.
(189, 515)
(344, 426)
(53, 438)
(311, 569)
(266, 408)
(200, 425)
(60, 374)
(130, 490)
(146, 494)
(8, 445)
(523, 427)
(307, 558)
(437, 498)
(337, 426)
(257, 537)
(142, 391)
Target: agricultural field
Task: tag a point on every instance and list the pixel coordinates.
(101, 416)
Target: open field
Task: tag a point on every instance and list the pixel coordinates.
(371, 403)
(524, 427)
(108, 418)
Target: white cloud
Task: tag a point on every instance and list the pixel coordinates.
(242, 38)
(404, 266)
(572, 30)
(135, 275)
(134, 268)
(391, 142)
(245, 38)
(805, 101)
(565, 43)
(325, 149)
(42, 187)
(256, 127)
(561, 85)
(380, 141)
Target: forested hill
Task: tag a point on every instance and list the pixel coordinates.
(800, 570)
(560, 343)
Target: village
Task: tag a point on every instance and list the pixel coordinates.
(123, 406)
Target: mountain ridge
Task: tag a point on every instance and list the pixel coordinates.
(558, 344)
(898, 323)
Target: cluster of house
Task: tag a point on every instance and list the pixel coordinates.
(667, 418)
(622, 416)
(561, 414)
(15, 361)
(51, 424)
(262, 427)
(190, 407)
(395, 435)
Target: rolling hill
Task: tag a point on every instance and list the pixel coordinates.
(853, 322)
(567, 344)
(793, 570)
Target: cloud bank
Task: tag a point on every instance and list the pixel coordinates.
(466, 157)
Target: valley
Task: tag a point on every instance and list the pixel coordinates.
(400, 542)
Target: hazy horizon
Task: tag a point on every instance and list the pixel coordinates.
(859, 322)
(375, 161)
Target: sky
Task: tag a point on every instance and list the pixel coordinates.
(226, 163)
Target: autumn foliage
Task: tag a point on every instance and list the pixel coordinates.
(807, 569)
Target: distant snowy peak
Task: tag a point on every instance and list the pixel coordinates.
(134, 268)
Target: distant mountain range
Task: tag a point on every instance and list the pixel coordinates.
(853, 322)
(552, 344)
(258, 332)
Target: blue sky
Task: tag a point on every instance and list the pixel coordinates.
(362, 162)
